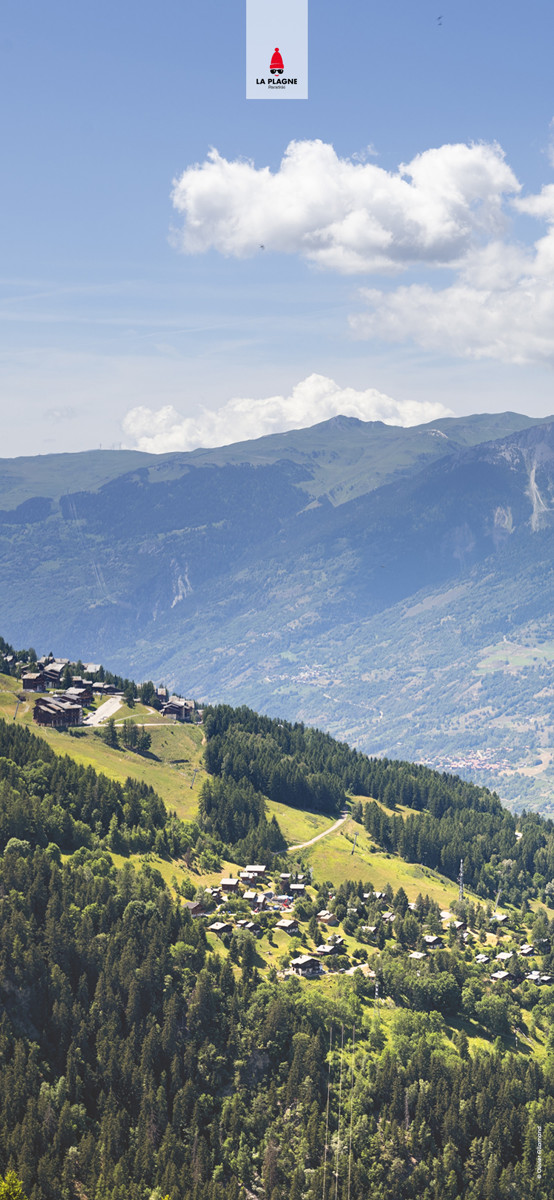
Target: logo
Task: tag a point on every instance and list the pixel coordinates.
(276, 66)
(276, 50)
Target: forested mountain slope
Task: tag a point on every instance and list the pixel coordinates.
(142, 1057)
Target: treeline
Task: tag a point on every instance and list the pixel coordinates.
(288, 763)
(486, 840)
(236, 814)
(49, 798)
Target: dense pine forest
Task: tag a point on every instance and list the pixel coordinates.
(139, 1060)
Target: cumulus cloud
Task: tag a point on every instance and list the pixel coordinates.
(344, 214)
(315, 399)
(500, 305)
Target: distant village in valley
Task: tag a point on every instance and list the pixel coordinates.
(67, 693)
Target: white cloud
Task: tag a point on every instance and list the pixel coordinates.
(343, 214)
(500, 305)
(314, 399)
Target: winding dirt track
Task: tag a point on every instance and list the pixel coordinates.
(317, 838)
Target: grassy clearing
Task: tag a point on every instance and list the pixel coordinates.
(296, 824)
(138, 713)
(332, 859)
(171, 869)
(401, 810)
(175, 754)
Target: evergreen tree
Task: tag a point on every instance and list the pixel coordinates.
(110, 735)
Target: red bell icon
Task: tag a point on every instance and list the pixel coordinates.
(276, 67)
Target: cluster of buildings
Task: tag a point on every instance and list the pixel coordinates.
(62, 706)
(277, 898)
(57, 706)
(475, 760)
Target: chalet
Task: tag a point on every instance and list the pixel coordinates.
(53, 673)
(220, 927)
(194, 907)
(536, 977)
(257, 900)
(363, 967)
(327, 918)
(432, 940)
(526, 950)
(500, 918)
(500, 976)
(306, 965)
(34, 682)
(418, 954)
(162, 695)
(482, 958)
(230, 885)
(181, 710)
(335, 947)
(81, 694)
(297, 889)
(250, 926)
(57, 712)
(504, 955)
(256, 869)
(288, 925)
(103, 689)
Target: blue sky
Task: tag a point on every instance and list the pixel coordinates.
(112, 333)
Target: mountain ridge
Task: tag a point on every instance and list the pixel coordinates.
(253, 579)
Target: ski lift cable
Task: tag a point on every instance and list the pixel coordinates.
(327, 1114)
(340, 1110)
(351, 1108)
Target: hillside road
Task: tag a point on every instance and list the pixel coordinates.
(332, 829)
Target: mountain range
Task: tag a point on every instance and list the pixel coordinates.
(391, 585)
